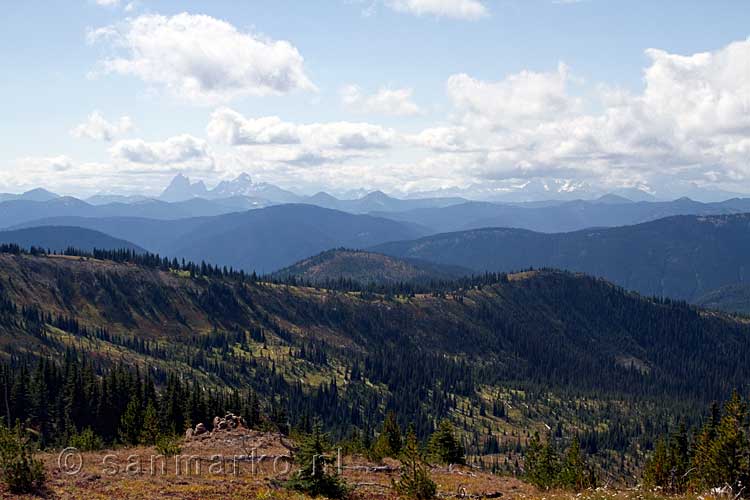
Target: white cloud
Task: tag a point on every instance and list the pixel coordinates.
(457, 9)
(202, 59)
(386, 101)
(97, 128)
(33, 165)
(689, 124)
(107, 3)
(453, 139)
(521, 98)
(230, 127)
(64, 175)
(182, 150)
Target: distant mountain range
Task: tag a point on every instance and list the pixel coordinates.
(367, 267)
(182, 188)
(683, 257)
(60, 238)
(37, 194)
(607, 211)
(263, 240)
(22, 211)
(181, 200)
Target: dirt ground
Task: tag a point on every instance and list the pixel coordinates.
(242, 464)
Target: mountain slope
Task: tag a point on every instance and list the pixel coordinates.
(503, 357)
(735, 298)
(262, 240)
(561, 217)
(268, 239)
(537, 331)
(681, 257)
(367, 267)
(60, 238)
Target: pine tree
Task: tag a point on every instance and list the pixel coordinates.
(129, 422)
(313, 477)
(729, 452)
(444, 447)
(575, 473)
(389, 441)
(414, 482)
(657, 471)
(150, 428)
(541, 463)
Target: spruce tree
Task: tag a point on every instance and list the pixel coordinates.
(313, 460)
(150, 428)
(414, 482)
(444, 447)
(389, 441)
(130, 422)
(574, 473)
(728, 459)
(541, 463)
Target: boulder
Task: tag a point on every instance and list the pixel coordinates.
(199, 429)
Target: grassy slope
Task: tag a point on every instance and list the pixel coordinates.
(367, 267)
(542, 331)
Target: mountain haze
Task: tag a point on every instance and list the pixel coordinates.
(262, 240)
(60, 238)
(682, 257)
(560, 217)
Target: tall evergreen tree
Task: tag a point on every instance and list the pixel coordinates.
(444, 447)
(313, 461)
(129, 429)
(414, 481)
(389, 441)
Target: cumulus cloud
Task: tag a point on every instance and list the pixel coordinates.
(689, 123)
(202, 59)
(445, 139)
(386, 101)
(230, 127)
(107, 3)
(457, 9)
(97, 128)
(181, 150)
(521, 98)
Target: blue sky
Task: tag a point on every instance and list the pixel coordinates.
(462, 96)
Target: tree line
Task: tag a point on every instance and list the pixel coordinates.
(715, 454)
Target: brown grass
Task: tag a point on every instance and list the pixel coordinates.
(254, 466)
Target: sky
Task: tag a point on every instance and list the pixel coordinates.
(406, 96)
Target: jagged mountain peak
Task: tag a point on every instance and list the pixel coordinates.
(181, 188)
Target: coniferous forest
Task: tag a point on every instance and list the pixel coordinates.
(115, 338)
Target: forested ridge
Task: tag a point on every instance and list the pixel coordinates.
(500, 355)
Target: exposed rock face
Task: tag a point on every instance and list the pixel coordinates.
(200, 429)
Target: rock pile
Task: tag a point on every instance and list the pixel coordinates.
(229, 422)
